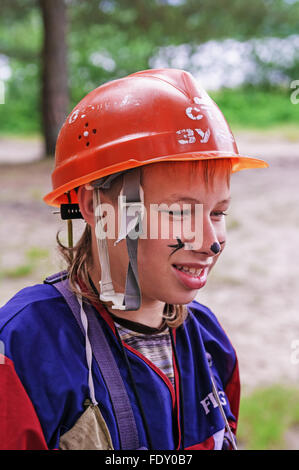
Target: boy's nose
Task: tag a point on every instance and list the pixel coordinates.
(215, 247)
(210, 245)
(211, 250)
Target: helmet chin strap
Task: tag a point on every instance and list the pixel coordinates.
(131, 213)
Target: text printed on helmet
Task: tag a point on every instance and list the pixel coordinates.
(189, 136)
(193, 112)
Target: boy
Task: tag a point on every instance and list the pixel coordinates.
(115, 353)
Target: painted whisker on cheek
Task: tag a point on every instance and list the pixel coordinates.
(177, 247)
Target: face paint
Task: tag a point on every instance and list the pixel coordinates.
(177, 247)
(215, 248)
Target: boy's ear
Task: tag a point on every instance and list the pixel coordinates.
(85, 200)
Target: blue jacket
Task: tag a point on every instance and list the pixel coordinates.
(46, 351)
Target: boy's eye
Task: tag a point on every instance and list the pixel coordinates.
(180, 213)
(219, 213)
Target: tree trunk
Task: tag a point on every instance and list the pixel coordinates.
(55, 96)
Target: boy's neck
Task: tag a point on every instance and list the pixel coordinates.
(149, 314)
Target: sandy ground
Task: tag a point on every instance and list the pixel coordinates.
(254, 289)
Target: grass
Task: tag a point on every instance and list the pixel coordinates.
(266, 417)
(22, 270)
(32, 257)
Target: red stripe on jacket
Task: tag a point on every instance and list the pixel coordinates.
(232, 391)
(20, 428)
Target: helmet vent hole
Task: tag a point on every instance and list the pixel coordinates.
(86, 124)
(79, 137)
(94, 131)
(87, 144)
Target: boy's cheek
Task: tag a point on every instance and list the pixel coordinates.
(215, 259)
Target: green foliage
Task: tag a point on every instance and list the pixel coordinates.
(21, 111)
(266, 416)
(108, 39)
(20, 114)
(20, 38)
(102, 55)
(256, 108)
(193, 21)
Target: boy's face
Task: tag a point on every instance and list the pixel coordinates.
(166, 274)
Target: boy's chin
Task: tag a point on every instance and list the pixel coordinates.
(183, 299)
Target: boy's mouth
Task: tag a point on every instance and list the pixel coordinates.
(191, 276)
(194, 272)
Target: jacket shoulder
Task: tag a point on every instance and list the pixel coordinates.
(24, 305)
(40, 336)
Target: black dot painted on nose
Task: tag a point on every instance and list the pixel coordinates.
(215, 247)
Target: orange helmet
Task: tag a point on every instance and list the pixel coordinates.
(150, 116)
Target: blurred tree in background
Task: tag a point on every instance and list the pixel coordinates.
(59, 50)
(54, 78)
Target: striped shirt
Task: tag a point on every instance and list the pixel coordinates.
(152, 343)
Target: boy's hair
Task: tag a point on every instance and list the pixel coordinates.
(79, 258)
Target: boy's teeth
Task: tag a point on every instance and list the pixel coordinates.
(193, 271)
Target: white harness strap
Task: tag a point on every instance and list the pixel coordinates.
(107, 292)
(88, 350)
(132, 210)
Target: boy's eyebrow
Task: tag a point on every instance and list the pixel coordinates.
(179, 197)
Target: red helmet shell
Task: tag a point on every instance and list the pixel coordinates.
(150, 116)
